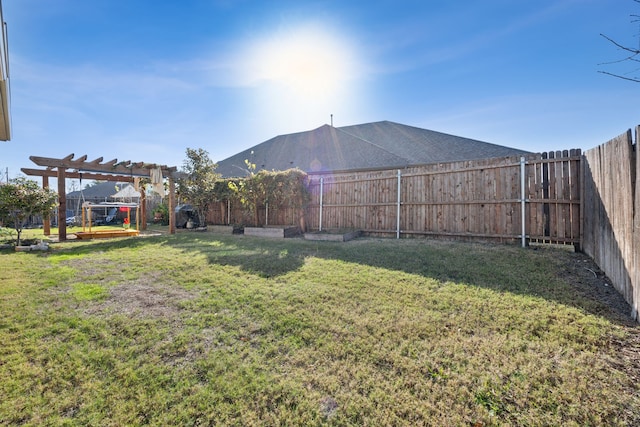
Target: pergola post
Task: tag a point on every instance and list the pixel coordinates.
(46, 221)
(143, 209)
(62, 205)
(172, 205)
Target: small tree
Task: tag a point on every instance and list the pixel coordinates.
(198, 187)
(161, 213)
(225, 193)
(20, 199)
(285, 188)
(250, 190)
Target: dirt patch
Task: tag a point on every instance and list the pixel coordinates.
(89, 266)
(588, 281)
(148, 296)
(139, 300)
(328, 407)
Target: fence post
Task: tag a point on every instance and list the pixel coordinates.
(398, 207)
(523, 201)
(321, 194)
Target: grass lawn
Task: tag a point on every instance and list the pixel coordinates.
(206, 329)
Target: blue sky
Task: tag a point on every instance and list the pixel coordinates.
(142, 80)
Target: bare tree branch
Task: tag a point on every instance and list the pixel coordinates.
(628, 58)
(634, 53)
(633, 79)
(628, 49)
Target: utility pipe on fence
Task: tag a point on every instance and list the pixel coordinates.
(523, 201)
(398, 207)
(321, 193)
(266, 213)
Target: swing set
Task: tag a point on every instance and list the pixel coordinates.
(87, 220)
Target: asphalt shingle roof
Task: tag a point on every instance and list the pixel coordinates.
(359, 147)
(102, 190)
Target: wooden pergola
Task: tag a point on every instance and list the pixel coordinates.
(126, 171)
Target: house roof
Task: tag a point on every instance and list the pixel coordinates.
(375, 145)
(102, 190)
(127, 192)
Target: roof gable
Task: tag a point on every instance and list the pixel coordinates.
(367, 146)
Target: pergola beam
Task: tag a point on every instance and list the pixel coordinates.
(77, 175)
(111, 167)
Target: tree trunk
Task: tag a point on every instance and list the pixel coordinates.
(256, 213)
(301, 214)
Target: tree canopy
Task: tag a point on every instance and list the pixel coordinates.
(198, 186)
(22, 198)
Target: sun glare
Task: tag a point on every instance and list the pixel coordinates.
(298, 78)
(309, 63)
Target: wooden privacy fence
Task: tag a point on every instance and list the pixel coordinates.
(532, 198)
(229, 212)
(612, 213)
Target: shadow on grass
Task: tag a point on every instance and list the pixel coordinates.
(568, 278)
